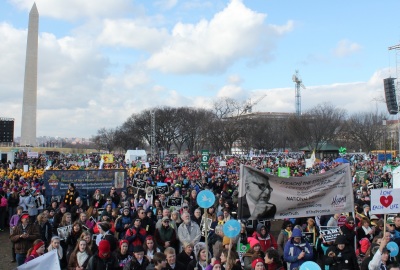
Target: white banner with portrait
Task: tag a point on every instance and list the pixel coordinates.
(265, 196)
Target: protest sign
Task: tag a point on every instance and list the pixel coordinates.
(294, 197)
(161, 190)
(385, 201)
(174, 201)
(329, 234)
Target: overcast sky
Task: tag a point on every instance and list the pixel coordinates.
(102, 60)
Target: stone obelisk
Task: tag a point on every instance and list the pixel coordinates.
(29, 106)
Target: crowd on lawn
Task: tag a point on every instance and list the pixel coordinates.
(134, 229)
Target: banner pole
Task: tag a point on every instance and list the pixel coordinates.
(206, 234)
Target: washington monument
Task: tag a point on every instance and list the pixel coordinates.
(29, 105)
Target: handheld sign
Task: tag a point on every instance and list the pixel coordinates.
(205, 199)
(160, 190)
(174, 201)
(310, 266)
(385, 201)
(393, 248)
(231, 228)
(329, 234)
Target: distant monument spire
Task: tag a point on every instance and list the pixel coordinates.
(29, 106)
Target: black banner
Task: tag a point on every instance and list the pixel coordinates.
(174, 201)
(140, 184)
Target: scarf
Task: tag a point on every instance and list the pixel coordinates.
(289, 233)
(81, 258)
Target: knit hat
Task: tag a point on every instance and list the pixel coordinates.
(197, 248)
(340, 239)
(63, 205)
(104, 249)
(105, 226)
(254, 263)
(123, 241)
(226, 240)
(137, 249)
(349, 219)
(217, 262)
(220, 213)
(253, 242)
(25, 216)
(296, 233)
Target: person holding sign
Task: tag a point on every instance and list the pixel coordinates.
(381, 257)
(341, 256)
(297, 251)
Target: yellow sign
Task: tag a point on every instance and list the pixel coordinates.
(107, 158)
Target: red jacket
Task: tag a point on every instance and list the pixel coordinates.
(266, 242)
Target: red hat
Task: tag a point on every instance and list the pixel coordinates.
(25, 216)
(253, 242)
(253, 264)
(217, 262)
(123, 241)
(104, 249)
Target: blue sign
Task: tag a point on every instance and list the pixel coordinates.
(205, 199)
(86, 181)
(310, 266)
(231, 228)
(393, 248)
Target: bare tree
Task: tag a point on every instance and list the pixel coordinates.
(105, 139)
(316, 126)
(365, 129)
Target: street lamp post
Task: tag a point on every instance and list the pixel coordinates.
(384, 136)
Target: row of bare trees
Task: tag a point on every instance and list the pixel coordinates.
(228, 125)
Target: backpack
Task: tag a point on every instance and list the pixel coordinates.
(3, 201)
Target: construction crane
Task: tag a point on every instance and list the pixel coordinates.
(248, 107)
(299, 84)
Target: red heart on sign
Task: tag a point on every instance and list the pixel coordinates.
(386, 201)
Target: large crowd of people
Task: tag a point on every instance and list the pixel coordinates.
(135, 229)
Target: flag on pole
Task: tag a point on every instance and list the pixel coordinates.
(48, 260)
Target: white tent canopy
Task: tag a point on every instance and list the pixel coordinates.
(133, 155)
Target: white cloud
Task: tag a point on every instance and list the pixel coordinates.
(76, 9)
(211, 46)
(346, 47)
(133, 34)
(166, 4)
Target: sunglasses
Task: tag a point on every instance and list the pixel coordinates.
(351, 222)
(113, 189)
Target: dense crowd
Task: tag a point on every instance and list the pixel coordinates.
(134, 229)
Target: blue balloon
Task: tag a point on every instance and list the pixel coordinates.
(310, 266)
(205, 199)
(231, 228)
(393, 248)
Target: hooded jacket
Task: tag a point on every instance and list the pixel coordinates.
(267, 240)
(292, 251)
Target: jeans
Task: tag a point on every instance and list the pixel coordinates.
(20, 258)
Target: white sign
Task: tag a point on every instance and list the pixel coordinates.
(385, 201)
(293, 197)
(32, 154)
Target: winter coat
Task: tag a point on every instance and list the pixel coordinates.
(292, 251)
(192, 237)
(134, 264)
(343, 260)
(22, 245)
(97, 263)
(135, 237)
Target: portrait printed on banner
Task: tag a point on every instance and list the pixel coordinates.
(119, 180)
(255, 195)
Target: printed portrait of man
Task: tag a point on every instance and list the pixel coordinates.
(255, 203)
